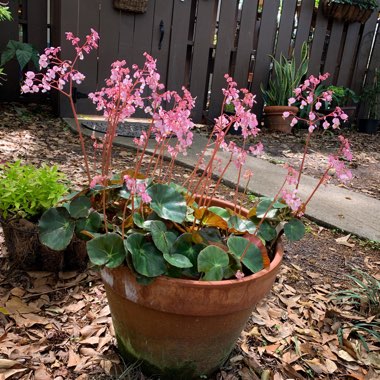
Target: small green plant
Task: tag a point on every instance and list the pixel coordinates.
(371, 96)
(342, 96)
(364, 295)
(27, 191)
(23, 52)
(285, 78)
(5, 14)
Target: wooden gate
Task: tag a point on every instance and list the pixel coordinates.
(201, 40)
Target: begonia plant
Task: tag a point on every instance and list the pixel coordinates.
(139, 217)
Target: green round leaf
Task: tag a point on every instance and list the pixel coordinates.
(212, 261)
(107, 249)
(146, 258)
(294, 230)
(241, 225)
(56, 228)
(267, 232)
(252, 259)
(90, 224)
(220, 211)
(167, 202)
(177, 260)
(262, 208)
(80, 207)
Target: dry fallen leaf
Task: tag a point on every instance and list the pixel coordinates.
(344, 241)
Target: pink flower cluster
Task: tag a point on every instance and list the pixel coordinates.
(59, 72)
(124, 94)
(137, 187)
(307, 96)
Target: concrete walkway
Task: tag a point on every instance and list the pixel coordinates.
(331, 206)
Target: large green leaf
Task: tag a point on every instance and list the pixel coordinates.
(294, 230)
(56, 228)
(23, 57)
(241, 225)
(213, 261)
(222, 212)
(178, 260)
(167, 202)
(80, 207)
(91, 224)
(267, 232)
(162, 239)
(185, 246)
(146, 258)
(252, 259)
(262, 208)
(107, 249)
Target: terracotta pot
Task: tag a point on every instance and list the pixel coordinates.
(273, 118)
(178, 328)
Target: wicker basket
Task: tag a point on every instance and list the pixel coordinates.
(345, 12)
(136, 6)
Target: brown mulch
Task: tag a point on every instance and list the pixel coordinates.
(58, 326)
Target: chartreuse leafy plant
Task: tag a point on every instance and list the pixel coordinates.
(139, 217)
(27, 191)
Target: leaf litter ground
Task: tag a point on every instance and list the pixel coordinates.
(58, 326)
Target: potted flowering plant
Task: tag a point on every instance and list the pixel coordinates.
(181, 268)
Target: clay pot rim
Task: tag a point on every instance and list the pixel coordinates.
(278, 108)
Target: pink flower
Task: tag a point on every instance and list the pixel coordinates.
(239, 275)
(291, 199)
(285, 114)
(292, 177)
(344, 175)
(291, 101)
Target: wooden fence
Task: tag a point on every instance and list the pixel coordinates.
(202, 40)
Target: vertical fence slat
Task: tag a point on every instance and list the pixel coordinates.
(303, 31)
(318, 43)
(67, 12)
(331, 62)
(9, 31)
(126, 24)
(226, 35)
(163, 12)
(142, 35)
(264, 49)
(245, 43)
(109, 40)
(374, 63)
(348, 56)
(37, 24)
(204, 33)
(286, 28)
(178, 45)
(89, 18)
(364, 51)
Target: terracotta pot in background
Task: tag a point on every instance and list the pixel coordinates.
(273, 118)
(180, 328)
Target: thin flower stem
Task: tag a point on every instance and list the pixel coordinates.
(81, 139)
(303, 159)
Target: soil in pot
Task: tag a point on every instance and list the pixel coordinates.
(27, 253)
(274, 120)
